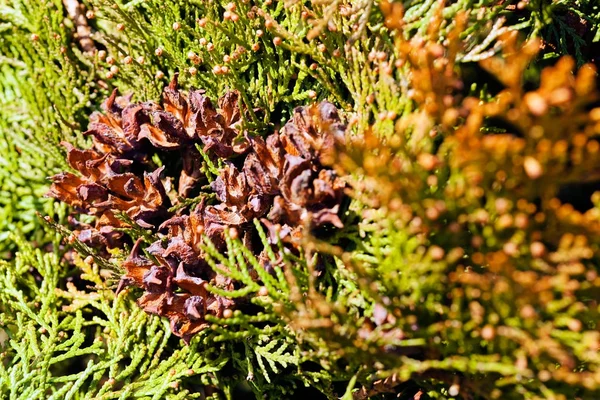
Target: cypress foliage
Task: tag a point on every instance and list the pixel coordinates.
(461, 260)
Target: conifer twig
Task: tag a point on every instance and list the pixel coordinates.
(76, 12)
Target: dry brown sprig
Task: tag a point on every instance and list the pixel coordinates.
(490, 208)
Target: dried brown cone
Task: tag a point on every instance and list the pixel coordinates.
(282, 180)
(118, 174)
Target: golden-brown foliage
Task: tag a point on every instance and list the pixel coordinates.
(481, 264)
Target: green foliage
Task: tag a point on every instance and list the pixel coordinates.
(66, 333)
(65, 341)
(46, 89)
(373, 311)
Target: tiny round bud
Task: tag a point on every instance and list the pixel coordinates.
(391, 115)
(313, 66)
(202, 22)
(536, 103)
(537, 249)
(269, 23)
(502, 205)
(337, 53)
(574, 325)
(432, 213)
(227, 313)
(176, 26)
(190, 372)
(111, 381)
(109, 75)
(63, 49)
(436, 253)
(544, 375)
(128, 60)
(277, 41)
(312, 94)
(110, 60)
(255, 47)
(226, 58)
(263, 291)
(233, 233)
(191, 55)
(120, 27)
(510, 248)
(230, 6)
(89, 260)
(488, 332)
(174, 385)
(210, 47)
(227, 15)
(140, 60)
(217, 69)
(224, 69)
(102, 54)
(193, 71)
(159, 51)
(454, 390)
(370, 98)
(159, 75)
(259, 33)
(114, 69)
(427, 161)
(202, 41)
(322, 48)
(89, 14)
(533, 168)
(34, 37)
(528, 312)
(235, 17)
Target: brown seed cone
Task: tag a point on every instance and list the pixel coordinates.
(284, 177)
(174, 291)
(126, 135)
(105, 185)
(281, 180)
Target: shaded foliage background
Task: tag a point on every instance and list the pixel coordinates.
(66, 334)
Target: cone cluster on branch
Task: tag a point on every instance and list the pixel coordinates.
(280, 180)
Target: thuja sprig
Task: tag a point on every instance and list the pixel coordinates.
(48, 330)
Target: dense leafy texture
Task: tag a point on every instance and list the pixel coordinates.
(443, 244)
(281, 182)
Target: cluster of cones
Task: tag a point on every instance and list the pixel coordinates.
(280, 180)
